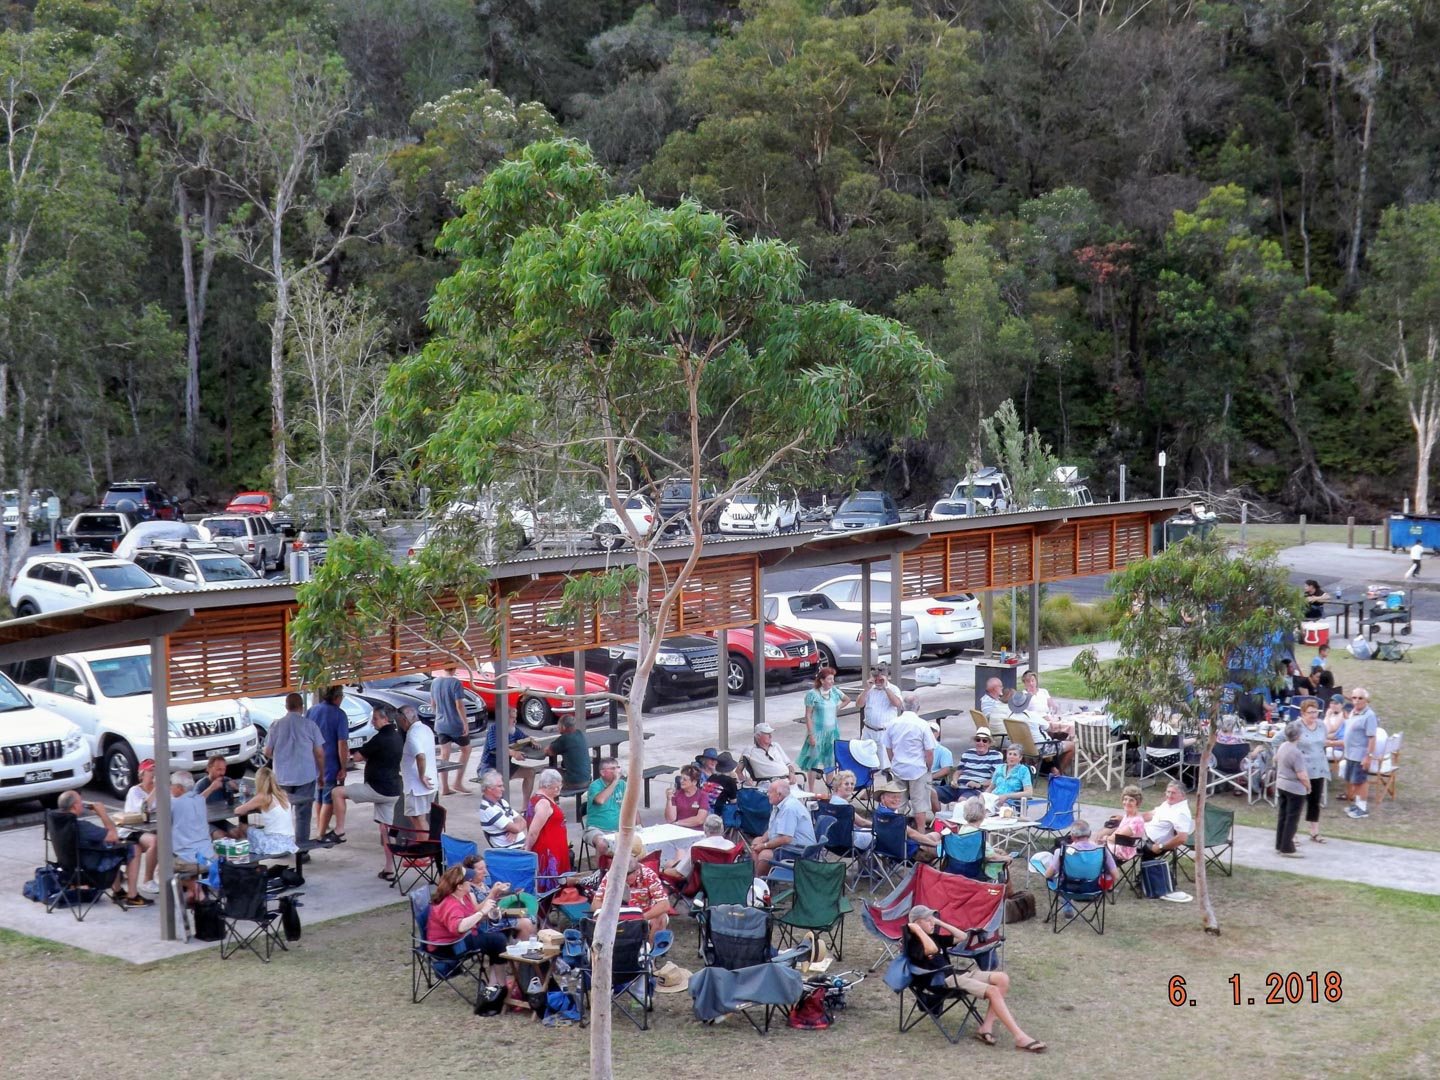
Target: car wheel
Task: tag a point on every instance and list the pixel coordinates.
(625, 680)
(535, 713)
(258, 761)
(119, 769)
(608, 537)
(738, 674)
(26, 608)
(827, 658)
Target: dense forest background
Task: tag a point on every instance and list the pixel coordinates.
(1154, 225)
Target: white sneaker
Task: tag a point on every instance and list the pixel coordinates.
(151, 886)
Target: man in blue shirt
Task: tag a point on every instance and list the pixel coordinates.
(297, 753)
(335, 739)
(791, 830)
(189, 826)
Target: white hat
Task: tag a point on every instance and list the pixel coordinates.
(865, 752)
(764, 729)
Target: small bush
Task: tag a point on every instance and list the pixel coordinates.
(1063, 620)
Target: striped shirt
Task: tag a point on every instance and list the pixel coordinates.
(976, 767)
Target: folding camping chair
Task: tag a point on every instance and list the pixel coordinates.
(1075, 891)
(433, 964)
(688, 892)
(84, 873)
(632, 969)
(1219, 844)
(741, 969)
(864, 775)
(964, 854)
(1062, 793)
(927, 993)
(1033, 751)
(1098, 753)
(818, 904)
(415, 852)
(244, 898)
(891, 850)
(751, 814)
(1228, 769)
(726, 883)
(1387, 768)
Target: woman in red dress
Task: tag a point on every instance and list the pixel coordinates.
(546, 834)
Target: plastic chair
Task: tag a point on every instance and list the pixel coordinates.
(1077, 881)
(818, 904)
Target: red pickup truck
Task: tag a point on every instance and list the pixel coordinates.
(789, 654)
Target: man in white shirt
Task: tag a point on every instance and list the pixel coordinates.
(767, 760)
(417, 768)
(1041, 730)
(992, 702)
(1417, 552)
(911, 747)
(879, 703)
(1169, 825)
(714, 838)
(502, 825)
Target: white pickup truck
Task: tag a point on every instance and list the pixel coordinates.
(41, 754)
(107, 694)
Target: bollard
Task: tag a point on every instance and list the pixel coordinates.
(1350, 532)
(1244, 514)
(1372, 537)
(1302, 530)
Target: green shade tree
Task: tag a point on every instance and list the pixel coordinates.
(1197, 618)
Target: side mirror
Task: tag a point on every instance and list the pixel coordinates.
(81, 692)
(187, 576)
(83, 589)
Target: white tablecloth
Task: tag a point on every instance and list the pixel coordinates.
(667, 839)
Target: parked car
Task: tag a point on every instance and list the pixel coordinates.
(609, 531)
(789, 654)
(840, 635)
(760, 514)
(866, 510)
(399, 690)
(530, 686)
(96, 530)
(685, 666)
(55, 582)
(189, 567)
(945, 623)
(251, 502)
(264, 711)
(41, 752)
(988, 487)
(673, 506)
(1067, 488)
(953, 509)
(107, 694)
(250, 536)
(307, 506)
(144, 498)
(34, 513)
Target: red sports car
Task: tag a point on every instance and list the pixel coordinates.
(531, 684)
(251, 502)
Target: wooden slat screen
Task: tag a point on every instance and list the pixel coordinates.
(1132, 541)
(922, 571)
(969, 563)
(229, 653)
(1011, 556)
(1096, 551)
(533, 618)
(1057, 554)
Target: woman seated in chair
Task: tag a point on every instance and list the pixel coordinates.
(1128, 824)
(927, 940)
(1012, 782)
(972, 813)
(456, 920)
(842, 790)
(272, 826)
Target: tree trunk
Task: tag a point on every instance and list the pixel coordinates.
(1202, 776)
(1372, 84)
(278, 321)
(196, 289)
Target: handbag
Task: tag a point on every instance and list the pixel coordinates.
(1155, 879)
(209, 921)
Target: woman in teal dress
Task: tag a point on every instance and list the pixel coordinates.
(822, 723)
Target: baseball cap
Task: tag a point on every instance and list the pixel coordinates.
(920, 911)
(983, 733)
(764, 729)
(934, 726)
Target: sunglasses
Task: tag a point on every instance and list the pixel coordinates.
(981, 738)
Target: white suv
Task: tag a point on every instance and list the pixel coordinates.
(945, 622)
(187, 568)
(41, 754)
(55, 582)
(250, 536)
(107, 693)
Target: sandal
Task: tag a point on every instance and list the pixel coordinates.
(1318, 839)
(1034, 1046)
(986, 1037)
(385, 875)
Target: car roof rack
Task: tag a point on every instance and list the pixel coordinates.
(195, 547)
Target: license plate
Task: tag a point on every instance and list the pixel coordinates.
(965, 624)
(38, 776)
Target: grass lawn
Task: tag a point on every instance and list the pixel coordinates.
(338, 1004)
(1287, 534)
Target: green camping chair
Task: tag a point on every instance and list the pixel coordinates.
(818, 904)
(1219, 843)
(726, 883)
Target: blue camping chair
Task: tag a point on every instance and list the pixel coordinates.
(864, 775)
(456, 850)
(1077, 881)
(752, 812)
(1061, 797)
(836, 821)
(964, 854)
(891, 851)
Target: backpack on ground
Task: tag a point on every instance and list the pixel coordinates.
(1020, 907)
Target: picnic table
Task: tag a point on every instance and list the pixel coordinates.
(1344, 606)
(665, 838)
(597, 739)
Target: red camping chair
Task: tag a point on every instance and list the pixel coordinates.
(977, 907)
(686, 891)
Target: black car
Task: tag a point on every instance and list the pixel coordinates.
(684, 667)
(673, 506)
(415, 690)
(144, 498)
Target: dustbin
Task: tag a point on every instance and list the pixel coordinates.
(1006, 673)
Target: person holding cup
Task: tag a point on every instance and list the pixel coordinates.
(455, 919)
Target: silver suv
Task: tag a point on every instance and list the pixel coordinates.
(188, 567)
(250, 536)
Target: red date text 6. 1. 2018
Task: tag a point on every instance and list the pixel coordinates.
(1290, 988)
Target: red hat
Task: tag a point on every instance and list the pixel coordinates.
(148, 763)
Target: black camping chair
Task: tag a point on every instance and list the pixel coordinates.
(927, 993)
(433, 965)
(736, 938)
(245, 898)
(85, 872)
(419, 856)
(632, 969)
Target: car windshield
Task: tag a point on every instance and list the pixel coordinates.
(863, 506)
(526, 661)
(676, 491)
(122, 676)
(224, 527)
(226, 570)
(11, 699)
(745, 500)
(118, 578)
(952, 508)
(249, 500)
(12, 498)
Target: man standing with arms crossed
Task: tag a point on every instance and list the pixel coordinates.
(417, 769)
(447, 695)
(1359, 752)
(297, 754)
